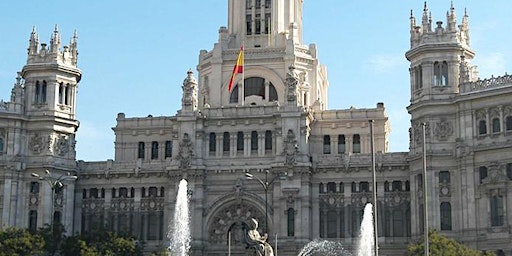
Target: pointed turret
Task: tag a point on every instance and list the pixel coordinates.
(464, 29)
(73, 47)
(33, 47)
(55, 40)
(426, 20)
(451, 19)
(413, 21)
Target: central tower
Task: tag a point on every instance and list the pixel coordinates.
(271, 33)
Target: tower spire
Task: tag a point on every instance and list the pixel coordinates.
(55, 40)
(33, 42)
(425, 19)
(413, 21)
(451, 18)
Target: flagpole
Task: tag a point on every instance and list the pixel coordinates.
(243, 73)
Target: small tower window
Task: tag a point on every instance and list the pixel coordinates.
(61, 93)
(508, 123)
(496, 125)
(356, 144)
(482, 127)
(43, 93)
(140, 150)
(440, 73)
(418, 77)
(37, 93)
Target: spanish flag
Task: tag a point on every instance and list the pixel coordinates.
(238, 69)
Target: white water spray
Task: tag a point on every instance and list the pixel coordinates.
(179, 231)
(366, 240)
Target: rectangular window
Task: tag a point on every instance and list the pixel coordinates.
(356, 144)
(364, 186)
(497, 213)
(254, 140)
(446, 216)
(213, 142)
(140, 150)
(154, 150)
(396, 185)
(268, 140)
(327, 144)
(341, 144)
(225, 142)
(444, 177)
(291, 222)
(34, 187)
(240, 141)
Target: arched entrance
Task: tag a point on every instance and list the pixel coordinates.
(228, 224)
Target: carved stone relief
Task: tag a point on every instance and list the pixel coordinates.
(185, 152)
(290, 148)
(443, 129)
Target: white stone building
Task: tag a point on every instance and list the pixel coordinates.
(314, 163)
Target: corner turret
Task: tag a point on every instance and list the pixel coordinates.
(435, 56)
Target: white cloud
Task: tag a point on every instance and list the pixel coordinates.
(385, 63)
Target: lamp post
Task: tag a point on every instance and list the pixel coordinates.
(425, 191)
(54, 182)
(266, 184)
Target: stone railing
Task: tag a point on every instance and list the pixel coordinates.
(488, 83)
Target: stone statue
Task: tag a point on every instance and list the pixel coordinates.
(260, 242)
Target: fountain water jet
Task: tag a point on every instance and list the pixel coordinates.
(365, 245)
(366, 240)
(179, 230)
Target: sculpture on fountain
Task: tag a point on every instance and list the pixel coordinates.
(258, 242)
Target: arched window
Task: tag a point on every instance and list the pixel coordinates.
(225, 142)
(496, 125)
(168, 149)
(321, 188)
(356, 144)
(140, 150)
(353, 187)
(240, 141)
(440, 73)
(446, 216)
(43, 92)
(233, 98)
(508, 123)
(482, 127)
(418, 77)
(37, 93)
(341, 144)
(213, 142)
(254, 86)
(272, 93)
(342, 188)
(327, 144)
(154, 150)
(254, 140)
(61, 93)
(268, 140)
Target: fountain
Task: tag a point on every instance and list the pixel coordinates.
(179, 230)
(331, 248)
(366, 240)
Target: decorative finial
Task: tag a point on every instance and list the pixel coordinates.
(425, 6)
(56, 28)
(451, 6)
(412, 16)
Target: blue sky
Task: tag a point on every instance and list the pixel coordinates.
(134, 55)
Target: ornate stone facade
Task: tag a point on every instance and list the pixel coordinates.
(275, 122)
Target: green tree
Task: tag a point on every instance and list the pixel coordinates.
(18, 242)
(440, 245)
(101, 242)
(53, 237)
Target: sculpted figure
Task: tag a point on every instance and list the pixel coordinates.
(264, 248)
